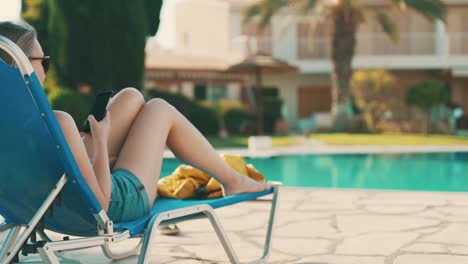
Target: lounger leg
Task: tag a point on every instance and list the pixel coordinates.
(36, 218)
(133, 252)
(48, 255)
(147, 239)
(10, 239)
(206, 209)
(210, 214)
(271, 222)
(156, 221)
(6, 226)
(222, 235)
(43, 235)
(227, 245)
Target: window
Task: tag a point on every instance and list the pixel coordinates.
(200, 92)
(217, 92)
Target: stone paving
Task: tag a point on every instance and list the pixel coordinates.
(322, 226)
(318, 226)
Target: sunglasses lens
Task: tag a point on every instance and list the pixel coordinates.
(45, 64)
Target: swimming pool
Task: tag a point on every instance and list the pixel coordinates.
(409, 171)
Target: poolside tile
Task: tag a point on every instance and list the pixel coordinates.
(430, 259)
(195, 238)
(375, 243)
(426, 248)
(394, 209)
(292, 196)
(334, 259)
(304, 229)
(326, 206)
(322, 226)
(460, 212)
(341, 195)
(452, 234)
(458, 249)
(406, 198)
(283, 219)
(371, 223)
(215, 252)
(458, 199)
(428, 230)
(299, 246)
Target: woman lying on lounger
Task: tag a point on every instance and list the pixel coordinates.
(122, 162)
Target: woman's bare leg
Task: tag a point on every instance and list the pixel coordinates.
(157, 123)
(124, 108)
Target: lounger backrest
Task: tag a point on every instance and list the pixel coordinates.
(34, 155)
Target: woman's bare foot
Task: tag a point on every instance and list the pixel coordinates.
(244, 184)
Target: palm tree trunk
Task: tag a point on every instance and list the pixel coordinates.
(343, 42)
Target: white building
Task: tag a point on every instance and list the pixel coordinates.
(201, 38)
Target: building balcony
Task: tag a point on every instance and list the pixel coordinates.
(416, 50)
(458, 43)
(372, 44)
(245, 45)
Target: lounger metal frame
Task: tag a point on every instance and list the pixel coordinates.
(107, 236)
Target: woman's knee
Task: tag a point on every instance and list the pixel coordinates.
(131, 96)
(63, 117)
(65, 120)
(159, 104)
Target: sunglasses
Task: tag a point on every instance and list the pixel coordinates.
(45, 61)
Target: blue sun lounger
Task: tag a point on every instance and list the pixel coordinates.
(41, 187)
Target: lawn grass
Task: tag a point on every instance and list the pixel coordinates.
(241, 141)
(349, 140)
(390, 139)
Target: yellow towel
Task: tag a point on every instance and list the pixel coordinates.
(189, 182)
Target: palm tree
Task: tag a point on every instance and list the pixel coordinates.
(345, 16)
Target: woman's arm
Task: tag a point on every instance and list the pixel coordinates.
(78, 150)
(101, 131)
(88, 142)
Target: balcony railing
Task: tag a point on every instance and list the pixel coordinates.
(264, 45)
(369, 44)
(246, 45)
(315, 48)
(458, 43)
(408, 44)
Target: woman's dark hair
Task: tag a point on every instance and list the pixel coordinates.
(20, 33)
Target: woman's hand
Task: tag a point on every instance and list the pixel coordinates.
(100, 130)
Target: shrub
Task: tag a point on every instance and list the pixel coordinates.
(372, 95)
(270, 91)
(271, 107)
(426, 95)
(271, 112)
(72, 102)
(236, 119)
(203, 118)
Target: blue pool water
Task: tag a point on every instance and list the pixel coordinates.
(412, 171)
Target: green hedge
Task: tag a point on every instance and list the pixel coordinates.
(236, 119)
(203, 118)
(72, 102)
(271, 108)
(271, 112)
(427, 94)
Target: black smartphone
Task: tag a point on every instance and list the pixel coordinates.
(99, 109)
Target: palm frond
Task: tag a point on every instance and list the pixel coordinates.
(431, 9)
(387, 25)
(251, 11)
(306, 7)
(265, 10)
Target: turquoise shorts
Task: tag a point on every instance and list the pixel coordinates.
(129, 200)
